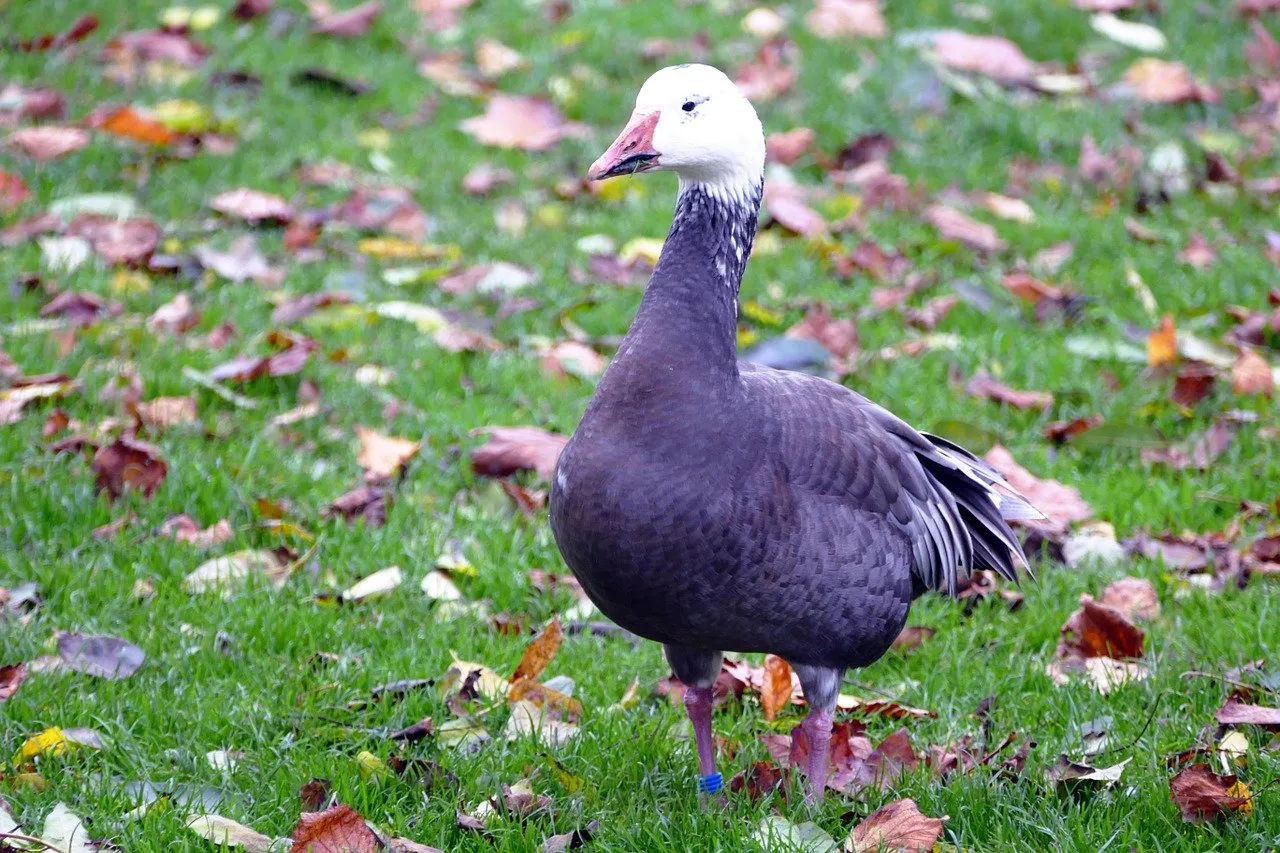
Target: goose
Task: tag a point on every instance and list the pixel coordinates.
(714, 505)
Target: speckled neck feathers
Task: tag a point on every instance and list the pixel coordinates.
(692, 298)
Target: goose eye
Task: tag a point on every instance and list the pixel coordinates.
(688, 106)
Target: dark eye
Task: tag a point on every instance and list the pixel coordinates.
(688, 106)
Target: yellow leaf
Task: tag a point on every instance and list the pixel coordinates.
(490, 685)
(528, 690)
(130, 282)
(376, 138)
(643, 248)
(1162, 345)
(371, 766)
(540, 651)
(183, 116)
(757, 313)
(399, 249)
(384, 455)
(570, 782)
(1241, 790)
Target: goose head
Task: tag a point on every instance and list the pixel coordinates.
(691, 120)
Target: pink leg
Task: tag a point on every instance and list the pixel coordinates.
(698, 702)
(817, 729)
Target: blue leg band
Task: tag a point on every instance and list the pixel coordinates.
(710, 784)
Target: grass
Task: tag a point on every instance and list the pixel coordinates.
(261, 695)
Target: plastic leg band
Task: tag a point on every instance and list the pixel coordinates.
(711, 783)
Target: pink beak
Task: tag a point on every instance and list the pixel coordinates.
(631, 152)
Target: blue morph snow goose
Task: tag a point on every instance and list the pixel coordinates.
(715, 505)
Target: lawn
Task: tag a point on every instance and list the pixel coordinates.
(277, 673)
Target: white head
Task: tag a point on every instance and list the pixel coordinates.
(692, 120)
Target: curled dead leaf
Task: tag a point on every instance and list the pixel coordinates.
(129, 463)
(1202, 795)
(985, 385)
(512, 449)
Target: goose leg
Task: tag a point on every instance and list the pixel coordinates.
(698, 669)
(821, 689)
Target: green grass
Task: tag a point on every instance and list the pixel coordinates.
(261, 696)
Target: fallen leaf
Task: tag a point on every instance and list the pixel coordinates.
(184, 528)
(1061, 504)
(13, 191)
(775, 692)
(1134, 34)
(66, 833)
(129, 123)
(1202, 795)
(156, 46)
(529, 720)
(1162, 344)
(1060, 432)
(223, 574)
(1069, 776)
(990, 56)
(897, 826)
(772, 72)
(48, 142)
(346, 24)
(252, 206)
(167, 412)
(787, 148)
(336, 830)
(129, 463)
(367, 502)
(1098, 630)
(1159, 81)
(954, 225)
(516, 121)
(11, 678)
(1198, 253)
(118, 241)
(494, 58)
(103, 656)
(912, 637)
(226, 832)
(1235, 713)
(175, 316)
(839, 337)
(376, 585)
(1251, 374)
(240, 262)
(384, 455)
(78, 306)
(570, 840)
(539, 652)
(512, 449)
(1135, 598)
(1192, 384)
(1013, 209)
(984, 385)
(777, 833)
(844, 18)
(566, 358)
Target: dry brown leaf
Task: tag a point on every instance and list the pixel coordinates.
(571, 358)
(1198, 253)
(252, 206)
(838, 337)
(898, 826)
(1162, 344)
(175, 316)
(14, 191)
(384, 455)
(1159, 81)
(494, 58)
(1202, 795)
(772, 73)
(11, 678)
(990, 56)
(118, 241)
(169, 46)
(1060, 503)
(1193, 383)
(185, 529)
(1133, 597)
(787, 148)
(1236, 713)
(985, 385)
(1099, 631)
(775, 692)
(1013, 209)
(337, 830)
(367, 502)
(516, 121)
(539, 652)
(441, 14)
(521, 448)
(1251, 374)
(49, 142)
(127, 462)
(912, 636)
(954, 225)
(166, 412)
(345, 24)
(80, 307)
(843, 18)
(1060, 432)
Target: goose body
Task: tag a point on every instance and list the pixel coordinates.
(714, 505)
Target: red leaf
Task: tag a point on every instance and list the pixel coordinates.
(130, 463)
(1202, 795)
(984, 385)
(897, 826)
(337, 830)
(1097, 630)
(11, 678)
